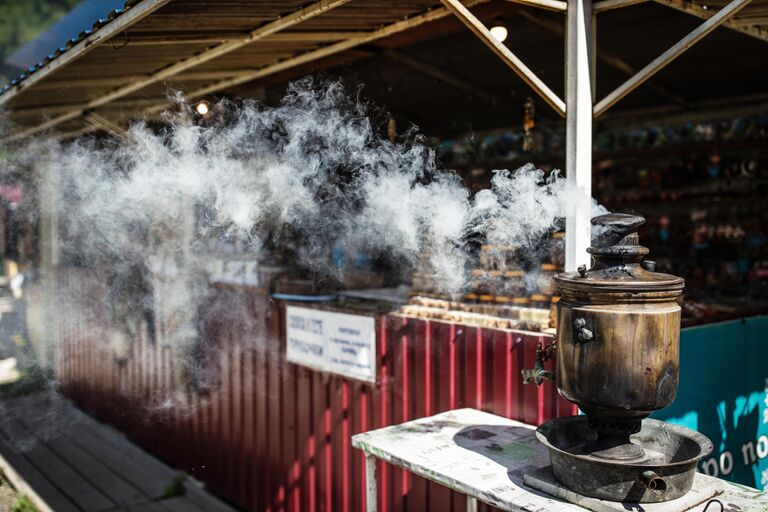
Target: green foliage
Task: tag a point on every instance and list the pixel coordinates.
(22, 20)
(22, 504)
(33, 379)
(176, 487)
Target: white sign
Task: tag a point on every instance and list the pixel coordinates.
(332, 342)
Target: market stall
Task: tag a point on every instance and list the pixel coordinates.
(258, 412)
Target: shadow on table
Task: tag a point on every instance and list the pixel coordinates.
(512, 447)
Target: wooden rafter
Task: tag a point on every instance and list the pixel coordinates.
(102, 123)
(701, 12)
(549, 5)
(66, 107)
(106, 81)
(315, 9)
(315, 55)
(609, 5)
(284, 37)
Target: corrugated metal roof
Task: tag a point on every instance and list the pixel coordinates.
(50, 39)
(125, 65)
(112, 15)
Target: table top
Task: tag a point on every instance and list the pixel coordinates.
(485, 456)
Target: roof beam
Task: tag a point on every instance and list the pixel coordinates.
(130, 17)
(50, 123)
(285, 37)
(314, 37)
(609, 5)
(700, 12)
(505, 54)
(80, 107)
(315, 9)
(320, 53)
(668, 56)
(550, 5)
(101, 81)
(156, 40)
(102, 123)
(273, 27)
(117, 80)
(745, 21)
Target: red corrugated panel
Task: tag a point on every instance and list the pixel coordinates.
(259, 482)
(268, 435)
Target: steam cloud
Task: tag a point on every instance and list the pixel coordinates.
(311, 174)
(312, 168)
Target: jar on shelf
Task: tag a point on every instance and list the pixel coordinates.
(514, 283)
(494, 282)
(522, 302)
(557, 249)
(546, 279)
(510, 257)
(486, 302)
(540, 301)
(478, 283)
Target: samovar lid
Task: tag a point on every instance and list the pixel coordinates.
(618, 266)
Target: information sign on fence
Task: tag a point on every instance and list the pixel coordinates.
(332, 342)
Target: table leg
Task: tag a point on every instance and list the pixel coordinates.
(370, 483)
(471, 504)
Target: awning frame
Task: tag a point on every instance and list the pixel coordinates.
(579, 107)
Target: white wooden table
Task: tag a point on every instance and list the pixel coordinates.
(485, 457)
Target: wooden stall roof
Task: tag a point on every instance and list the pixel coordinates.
(123, 68)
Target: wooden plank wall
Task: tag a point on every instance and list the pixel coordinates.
(268, 435)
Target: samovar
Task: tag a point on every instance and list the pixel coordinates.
(617, 352)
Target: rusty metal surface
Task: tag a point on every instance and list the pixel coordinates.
(270, 435)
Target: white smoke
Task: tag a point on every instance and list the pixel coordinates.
(313, 165)
(309, 174)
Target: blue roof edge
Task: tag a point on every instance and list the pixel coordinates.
(114, 14)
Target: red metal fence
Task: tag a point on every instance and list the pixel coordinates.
(271, 436)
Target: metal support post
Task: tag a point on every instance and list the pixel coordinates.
(49, 245)
(370, 483)
(578, 146)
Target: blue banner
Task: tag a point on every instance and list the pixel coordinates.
(724, 395)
